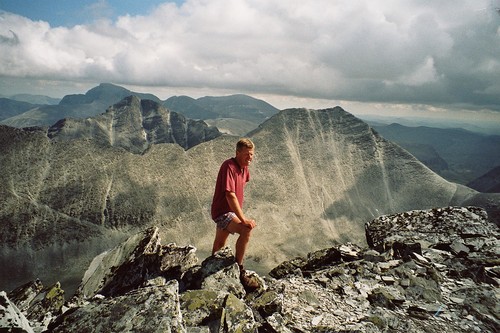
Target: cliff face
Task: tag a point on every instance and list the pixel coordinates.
(135, 125)
(83, 186)
(425, 271)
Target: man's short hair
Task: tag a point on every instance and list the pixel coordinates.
(244, 143)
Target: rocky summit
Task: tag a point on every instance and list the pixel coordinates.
(431, 270)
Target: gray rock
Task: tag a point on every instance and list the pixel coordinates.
(46, 307)
(135, 124)
(130, 265)
(11, 319)
(237, 316)
(24, 295)
(152, 309)
(202, 307)
(121, 269)
(221, 272)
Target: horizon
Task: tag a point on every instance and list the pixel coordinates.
(363, 110)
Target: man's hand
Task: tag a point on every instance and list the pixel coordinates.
(249, 223)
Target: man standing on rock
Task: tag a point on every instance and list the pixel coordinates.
(227, 202)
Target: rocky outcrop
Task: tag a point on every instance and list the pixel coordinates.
(425, 271)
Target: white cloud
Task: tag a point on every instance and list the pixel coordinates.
(359, 50)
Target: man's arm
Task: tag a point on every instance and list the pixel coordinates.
(232, 200)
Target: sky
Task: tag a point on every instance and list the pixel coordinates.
(389, 57)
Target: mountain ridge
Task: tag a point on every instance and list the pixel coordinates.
(249, 110)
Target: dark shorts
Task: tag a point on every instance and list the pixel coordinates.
(223, 220)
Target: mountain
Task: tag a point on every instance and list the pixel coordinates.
(239, 107)
(92, 103)
(474, 125)
(189, 107)
(234, 114)
(105, 93)
(468, 155)
(488, 183)
(135, 125)
(10, 108)
(317, 178)
(35, 99)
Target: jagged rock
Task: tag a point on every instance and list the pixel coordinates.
(135, 124)
(101, 277)
(151, 309)
(39, 304)
(413, 284)
(221, 272)
(404, 251)
(289, 267)
(276, 323)
(435, 227)
(11, 318)
(41, 312)
(133, 263)
(385, 297)
(268, 303)
(321, 258)
(24, 295)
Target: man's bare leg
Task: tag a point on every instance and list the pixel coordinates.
(220, 239)
(235, 226)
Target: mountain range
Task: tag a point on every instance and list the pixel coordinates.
(456, 154)
(235, 114)
(77, 188)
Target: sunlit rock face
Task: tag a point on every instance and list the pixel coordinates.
(70, 193)
(426, 271)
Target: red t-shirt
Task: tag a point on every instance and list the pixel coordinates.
(231, 178)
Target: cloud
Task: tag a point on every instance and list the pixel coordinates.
(14, 40)
(375, 51)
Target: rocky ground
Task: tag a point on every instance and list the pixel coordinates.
(424, 271)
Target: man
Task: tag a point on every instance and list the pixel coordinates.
(227, 202)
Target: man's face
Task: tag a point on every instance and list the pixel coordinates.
(244, 156)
